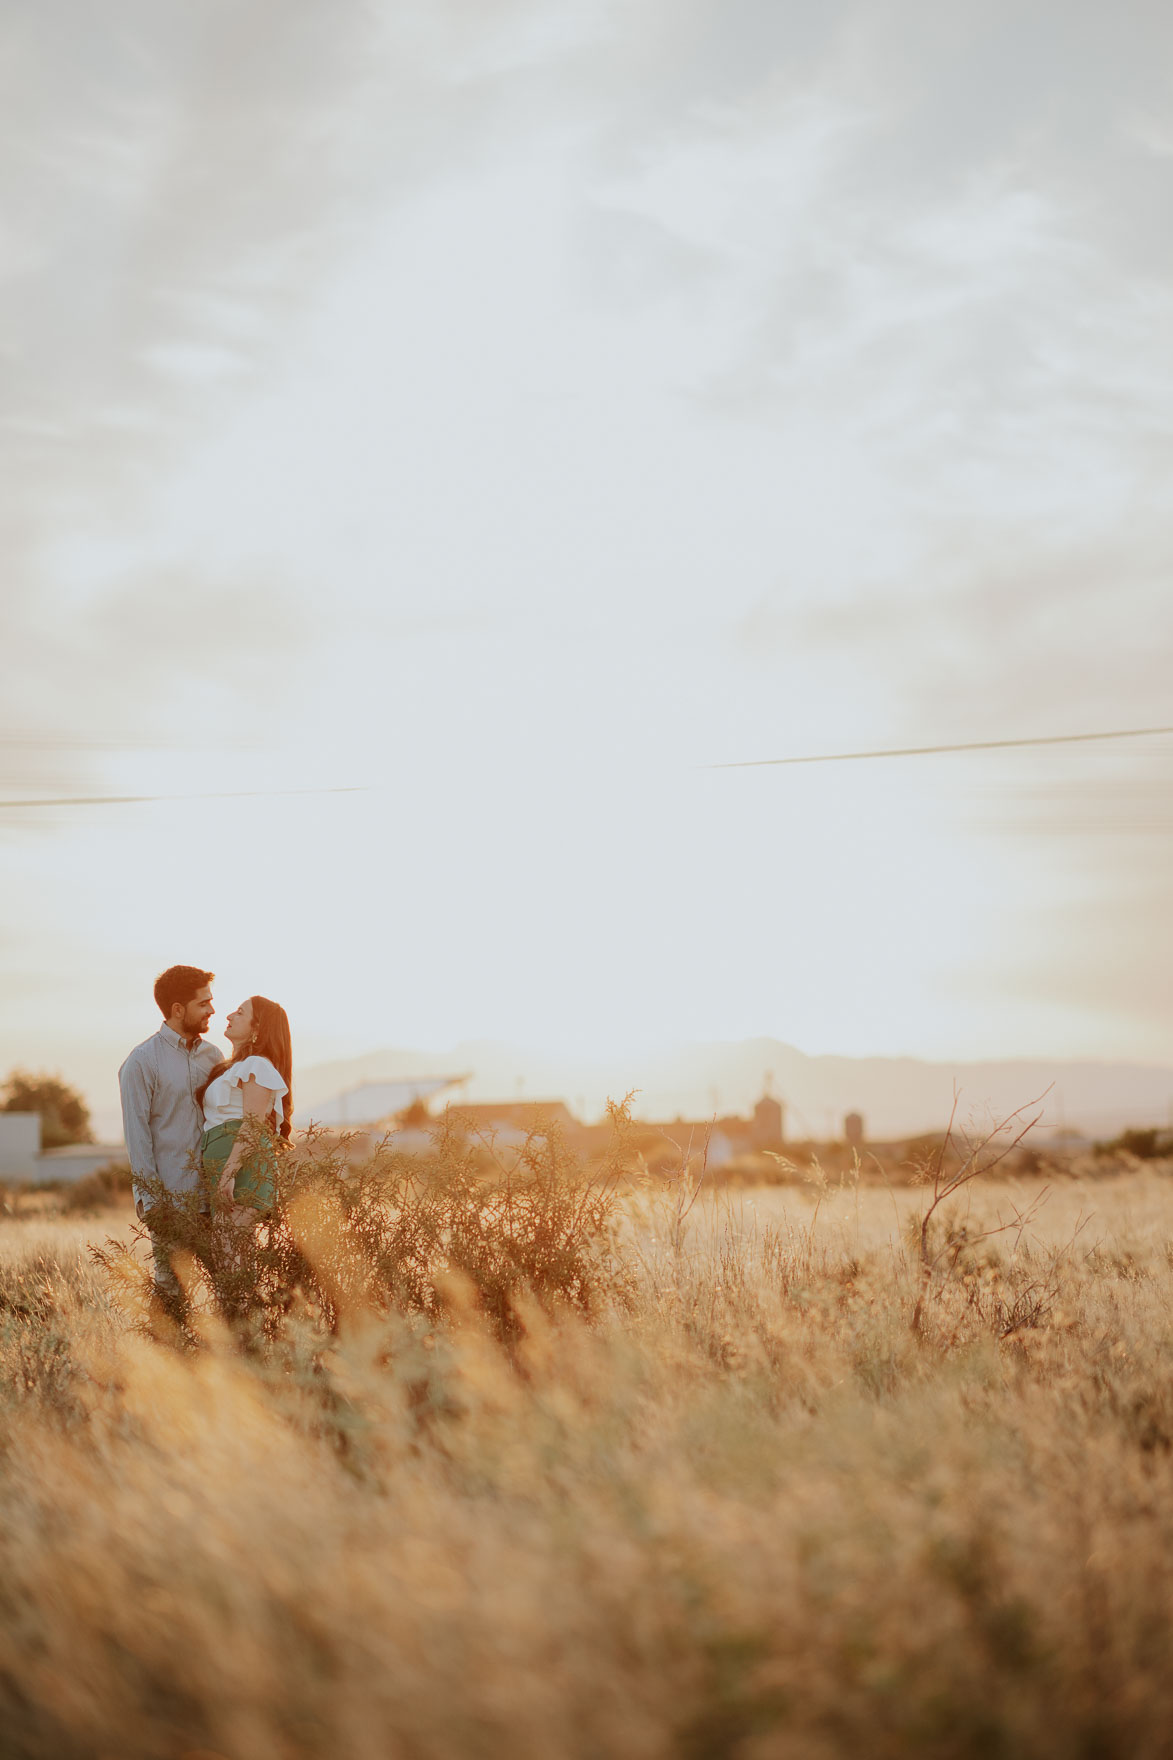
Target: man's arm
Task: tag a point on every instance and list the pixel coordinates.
(136, 1084)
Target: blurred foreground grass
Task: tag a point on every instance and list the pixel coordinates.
(734, 1506)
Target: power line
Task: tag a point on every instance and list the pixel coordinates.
(127, 800)
(977, 745)
(982, 745)
(43, 742)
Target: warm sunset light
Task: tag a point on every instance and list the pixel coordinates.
(513, 418)
(555, 552)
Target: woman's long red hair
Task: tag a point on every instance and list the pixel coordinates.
(271, 1039)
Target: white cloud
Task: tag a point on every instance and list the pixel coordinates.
(519, 407)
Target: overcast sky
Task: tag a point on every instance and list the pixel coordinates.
(513, 409)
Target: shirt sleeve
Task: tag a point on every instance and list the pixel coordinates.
(136, 1084)
(265, 1074)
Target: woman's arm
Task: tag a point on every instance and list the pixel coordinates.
(258, 1103)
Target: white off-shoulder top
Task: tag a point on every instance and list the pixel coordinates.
(224, 1100)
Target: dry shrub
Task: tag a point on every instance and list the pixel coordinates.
(397, 1233)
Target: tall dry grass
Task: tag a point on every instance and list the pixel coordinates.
(745, 1507)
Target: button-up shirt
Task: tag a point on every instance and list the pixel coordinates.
(161, 1119)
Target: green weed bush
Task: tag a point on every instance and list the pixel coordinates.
(395, 1234)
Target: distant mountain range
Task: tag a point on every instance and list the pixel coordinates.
(898, 1096)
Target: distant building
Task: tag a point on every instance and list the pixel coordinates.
(371, 1103)
(721, 1140)
(663, 1145)
(20, 1144)
(78, 1160)
(691, 1141)
(768, 1127)
(511, 1121)
(506, 1123)
(853, 1129)
(22, 1158)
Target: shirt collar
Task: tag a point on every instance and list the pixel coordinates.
(170, 1037)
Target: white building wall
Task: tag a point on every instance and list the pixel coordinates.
(20, 1144)
(77, 1160)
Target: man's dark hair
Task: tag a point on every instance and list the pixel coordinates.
(179, 984)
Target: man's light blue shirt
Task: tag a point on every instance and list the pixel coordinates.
(161, 1119)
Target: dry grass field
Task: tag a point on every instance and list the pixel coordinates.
(768, 1479)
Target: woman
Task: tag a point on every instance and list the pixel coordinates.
(252, 1084)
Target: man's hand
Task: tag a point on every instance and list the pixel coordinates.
(226, 1188)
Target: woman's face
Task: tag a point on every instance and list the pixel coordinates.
(238, 1028)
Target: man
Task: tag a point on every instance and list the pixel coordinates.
(161, 1121)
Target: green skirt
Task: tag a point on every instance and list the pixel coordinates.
(256, 1177)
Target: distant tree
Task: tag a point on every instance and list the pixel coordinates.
(65, 1117)
(1150, 1145)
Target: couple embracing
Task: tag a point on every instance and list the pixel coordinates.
(184, 1107)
